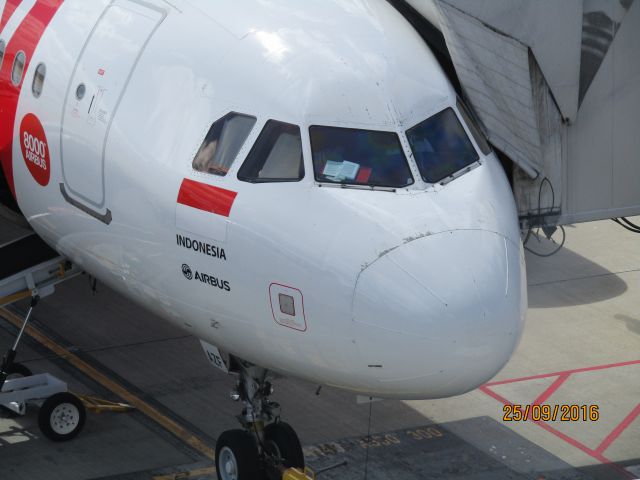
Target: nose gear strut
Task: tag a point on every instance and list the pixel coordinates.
(265, 447)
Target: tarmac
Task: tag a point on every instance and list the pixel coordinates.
(581, 346)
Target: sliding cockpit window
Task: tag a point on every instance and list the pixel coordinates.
(350, 156)
(276, 156)
(223, 143)
(441, 146)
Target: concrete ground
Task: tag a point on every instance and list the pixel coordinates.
(581, 347)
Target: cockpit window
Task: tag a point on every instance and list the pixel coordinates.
(222, 144)
(276, 155)
(441, 146)
(359, 157)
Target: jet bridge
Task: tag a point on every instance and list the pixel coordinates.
(556, 86)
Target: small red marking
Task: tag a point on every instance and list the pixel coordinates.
(364, 174)
(35, 149)
(9, 8)
(101, 72)
(25, 39)
(273, 312)
(206, 197)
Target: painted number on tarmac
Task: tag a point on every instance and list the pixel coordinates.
(382, 440)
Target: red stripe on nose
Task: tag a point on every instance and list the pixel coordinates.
(206, 197)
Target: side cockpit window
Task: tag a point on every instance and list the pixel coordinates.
(276, 155)
(223, 143)
(441, 147)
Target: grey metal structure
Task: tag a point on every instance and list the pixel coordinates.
(556, 85)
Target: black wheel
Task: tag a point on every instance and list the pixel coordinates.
(281, 441)
(16, 370)
(237, 456)
(61, 417)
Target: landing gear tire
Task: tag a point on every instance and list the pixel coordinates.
(61, 417)
(281, 441)
(16, 370)
(237, 456)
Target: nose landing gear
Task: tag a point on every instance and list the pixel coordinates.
(265, 447)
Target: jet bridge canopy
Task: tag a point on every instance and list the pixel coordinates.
(556, 86)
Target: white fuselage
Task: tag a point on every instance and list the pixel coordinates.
(417, 292)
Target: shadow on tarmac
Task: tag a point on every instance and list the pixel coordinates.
(568, 279)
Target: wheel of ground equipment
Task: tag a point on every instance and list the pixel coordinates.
(61, 417)
(237, 456)
(16, 370)
(281, 441)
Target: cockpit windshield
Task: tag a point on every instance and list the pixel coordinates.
(359, 157)
(441, 147)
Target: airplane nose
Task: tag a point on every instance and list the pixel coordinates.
(441, 314)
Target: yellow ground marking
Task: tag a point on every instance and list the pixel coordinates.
(186, 475)
(168, 424)
(15, 297)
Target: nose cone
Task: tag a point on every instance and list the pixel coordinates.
(441, 314)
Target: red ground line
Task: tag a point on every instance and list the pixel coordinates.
(628, 420)
(565, 372)
(571, 441)
(597, 455)
(552, 389)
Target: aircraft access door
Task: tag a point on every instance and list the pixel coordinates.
(97, 86)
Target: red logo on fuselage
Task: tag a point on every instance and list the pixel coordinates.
(25, 39)
(35, 149)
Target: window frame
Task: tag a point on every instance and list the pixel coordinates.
(457, 173)
(473, 125)
(256, 145)
(242, 146)
(361, 185)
